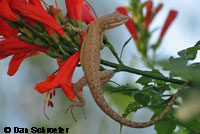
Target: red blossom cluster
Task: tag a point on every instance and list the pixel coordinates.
(32, 12)
(138, 25)
(150, 14)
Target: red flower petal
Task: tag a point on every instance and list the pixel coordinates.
(6, 12)
(19, 49)
(66, 71)
(3, 57)
(56, 4)
(47, 85)
(62, 78)
(74, 8)
(14, 46)
(60, 64)
(16, 61)
(36, 3)
(36, 13)
(86, 15)
(171, 16)
(67, 89)
(158, 8)
(50, 78)
(6, 31)
(129, 24)
(148, 16)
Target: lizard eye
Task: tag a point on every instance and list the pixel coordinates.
(112, 24)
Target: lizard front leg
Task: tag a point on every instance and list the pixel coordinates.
(79, 30)
(105, 76)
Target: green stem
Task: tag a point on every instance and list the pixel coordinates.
(110, 46)
(62, 50)
(114, 53)
(122, 67)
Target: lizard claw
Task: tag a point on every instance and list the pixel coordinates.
(78, 104)
(69, 25)
(71, 106)
(84, 113)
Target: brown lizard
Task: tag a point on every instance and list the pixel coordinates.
(90, 62)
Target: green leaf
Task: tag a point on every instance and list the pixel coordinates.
(132, 107)
(194, 125)
(156, 71)
(142, 98)
(181, 132)
(174, 64)
(159, 109)
(177, 66)
(189, 53)
(194, 70)
(173, 85)
(118, 99)
(150, 90)
(198, 43)
(156, 102)
(165, 126)
(144, 80)
(158, 82)
(161, 88)
(125, 91)
(125, 46)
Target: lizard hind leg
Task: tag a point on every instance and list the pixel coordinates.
(81, 103)
(104, 76)
(78, 104)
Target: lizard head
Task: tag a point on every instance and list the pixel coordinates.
(113, 20)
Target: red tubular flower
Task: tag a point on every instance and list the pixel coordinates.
(56, 4)
(59, 62)
(80, 11)
(158, 8)
(36, 3)
(171, 16)
(148, 17)
(6, 31)
(74, 8)
(129, 24)
(14, 45)
(36, 13)
(6, 11)
(19, 49)
(86, 15)
(62, 79)
(17, 59)
(64, 76)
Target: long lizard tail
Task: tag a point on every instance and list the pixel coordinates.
(101, 102)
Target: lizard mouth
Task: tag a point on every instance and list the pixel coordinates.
(125, 19)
